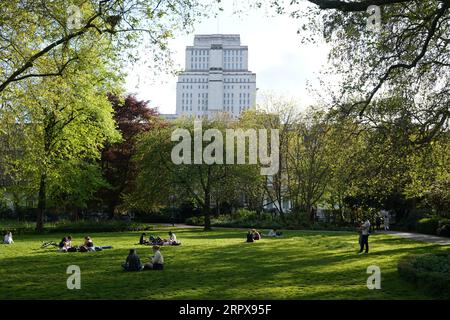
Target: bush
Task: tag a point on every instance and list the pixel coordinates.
(195, 221)
(101, 226)
(434, 225)
(430, 272)
(243, 215)
(243, 218)
(428, 225)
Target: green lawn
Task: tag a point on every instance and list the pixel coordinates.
(212, 265)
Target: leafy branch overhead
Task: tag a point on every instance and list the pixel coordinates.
(409, 56)
(33, 30)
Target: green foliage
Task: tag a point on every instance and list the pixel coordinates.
(243, 218)
(428, 225)
(430, 273)
(42, 33)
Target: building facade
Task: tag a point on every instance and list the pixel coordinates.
(216, 78)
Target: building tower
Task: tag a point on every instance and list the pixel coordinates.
(216, 78)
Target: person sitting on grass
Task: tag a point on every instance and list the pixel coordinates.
(8, 239)
(133, 262)
(250, 236)
(256, 234)
(143, 239)
(66, 245)
(62, 242)
(87, 246)
(156, 261)
(172, 239)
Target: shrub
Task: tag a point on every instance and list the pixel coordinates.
(428, 225)
(430, 272)
(444, 228)
(243, 215)
(196, 221)
(243, 218)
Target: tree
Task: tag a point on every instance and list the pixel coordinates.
(66, 121)
(160, 180)
(309, 161)
(38, 33)
(430, 175)
(279, 113)
(133, 117)
(410, 54)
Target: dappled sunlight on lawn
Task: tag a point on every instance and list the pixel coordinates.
(212, 265)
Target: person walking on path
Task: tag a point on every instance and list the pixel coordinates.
(386, 222)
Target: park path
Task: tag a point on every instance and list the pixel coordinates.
(407, 235)
(421, 237)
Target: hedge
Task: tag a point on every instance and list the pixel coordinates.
(429, 272)
(434, 225)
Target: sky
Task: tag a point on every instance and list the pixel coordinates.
(283, 65)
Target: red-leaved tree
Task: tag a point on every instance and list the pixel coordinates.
(133, 117)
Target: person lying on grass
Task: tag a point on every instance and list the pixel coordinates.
(274, 233)
(62, 244)
(133, 262)
(8, 239)
(156, 261)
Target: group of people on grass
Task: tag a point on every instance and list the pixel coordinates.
(385, 220)
(253, 234)
(65, 245)
(157, 241)
(133, 262)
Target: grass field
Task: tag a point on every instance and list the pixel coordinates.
(212, 265)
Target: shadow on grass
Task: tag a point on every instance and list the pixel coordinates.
(208, 269)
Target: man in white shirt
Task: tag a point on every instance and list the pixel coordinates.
(365, 227)
(172, 238)
(157, 260)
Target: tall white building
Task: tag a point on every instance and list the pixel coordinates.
(216, 78)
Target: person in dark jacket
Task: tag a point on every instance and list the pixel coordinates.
(133, 262)
(143, 239)
(250, 236)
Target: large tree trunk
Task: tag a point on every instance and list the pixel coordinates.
(41, 203)
(206, 211)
